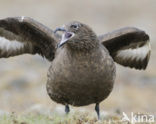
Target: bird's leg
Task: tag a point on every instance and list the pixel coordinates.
(97, 109)
(67, 109)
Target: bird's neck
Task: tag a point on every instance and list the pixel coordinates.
(83, 46)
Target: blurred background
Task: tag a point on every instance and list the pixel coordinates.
(23, 78)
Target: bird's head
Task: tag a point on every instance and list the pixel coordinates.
(78, 36)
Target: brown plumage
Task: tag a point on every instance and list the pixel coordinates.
(82, 68)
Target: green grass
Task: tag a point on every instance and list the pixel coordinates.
(25, 119)
(73, 118)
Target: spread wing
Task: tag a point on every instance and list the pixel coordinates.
(128, 46)
(23, 35)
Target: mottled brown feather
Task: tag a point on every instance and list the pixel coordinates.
(126, 38)
(25, 29)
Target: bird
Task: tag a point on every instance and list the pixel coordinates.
(82, 69)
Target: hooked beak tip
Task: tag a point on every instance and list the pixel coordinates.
(59, 29)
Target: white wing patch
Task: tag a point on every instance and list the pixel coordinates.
(22, 18)
(7, 45)
(138, 53)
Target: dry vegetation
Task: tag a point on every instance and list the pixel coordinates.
(74, 118)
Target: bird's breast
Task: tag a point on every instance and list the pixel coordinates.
(81, 68)
(90, 75)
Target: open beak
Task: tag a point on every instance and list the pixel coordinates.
(65, 37)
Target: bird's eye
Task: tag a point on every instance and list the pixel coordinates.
(74, 26)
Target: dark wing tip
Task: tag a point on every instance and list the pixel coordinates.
(142, 36)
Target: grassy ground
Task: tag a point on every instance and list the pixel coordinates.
(75, 118)
(72, 118)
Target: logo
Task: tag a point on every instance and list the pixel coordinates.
(138, 118)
